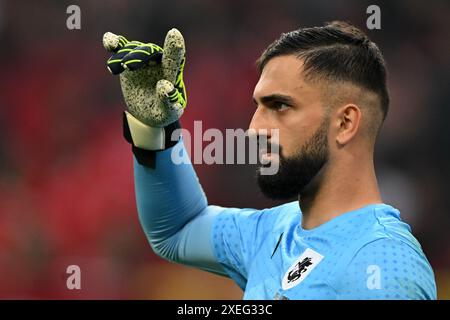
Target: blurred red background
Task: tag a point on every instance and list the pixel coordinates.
(66, 184)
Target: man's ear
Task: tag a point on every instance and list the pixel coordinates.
(348, 119)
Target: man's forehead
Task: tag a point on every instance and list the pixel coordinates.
(282, 74)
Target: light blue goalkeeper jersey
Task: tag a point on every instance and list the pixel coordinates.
(367, 253)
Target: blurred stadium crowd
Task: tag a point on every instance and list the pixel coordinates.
(66, 183)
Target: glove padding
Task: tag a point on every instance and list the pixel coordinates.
(151, 77)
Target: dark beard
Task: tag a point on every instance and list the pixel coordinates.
(295, 173)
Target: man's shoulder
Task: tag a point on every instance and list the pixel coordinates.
(375, 223)
(272, 215)
(386, 268)
(259, 220)
(377, 233)
(385, 227)
(384, 261)
(292, 207)
(282, 215)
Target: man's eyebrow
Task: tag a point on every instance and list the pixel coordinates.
(275, 97)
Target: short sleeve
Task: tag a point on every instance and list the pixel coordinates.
(388, 269)
(237, 235)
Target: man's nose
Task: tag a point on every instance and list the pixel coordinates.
(258, 120)
(260, 126)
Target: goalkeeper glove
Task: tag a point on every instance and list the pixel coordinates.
(152, 85)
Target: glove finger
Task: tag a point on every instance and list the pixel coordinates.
(114, 63)
(179, 83)
(169, 95)
(173, 56)
(141, 56)
(113, 42)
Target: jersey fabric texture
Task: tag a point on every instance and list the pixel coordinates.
(368, 253)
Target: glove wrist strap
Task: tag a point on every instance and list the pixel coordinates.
(147, 140)
(141, 135)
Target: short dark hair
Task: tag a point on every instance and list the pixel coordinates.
(338, 51)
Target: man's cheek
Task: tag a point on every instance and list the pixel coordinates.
(286, 143)
(290, 151)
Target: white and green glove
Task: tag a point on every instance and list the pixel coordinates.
(152, 84)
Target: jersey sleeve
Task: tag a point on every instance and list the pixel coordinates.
(387, 269)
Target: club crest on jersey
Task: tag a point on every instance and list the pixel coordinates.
(301, 268)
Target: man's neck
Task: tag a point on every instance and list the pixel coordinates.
(338, 191)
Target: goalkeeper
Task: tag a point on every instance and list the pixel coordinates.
(325, 89)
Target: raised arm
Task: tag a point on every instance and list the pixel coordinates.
(174, 213)
(173, 209)
(171, 204)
